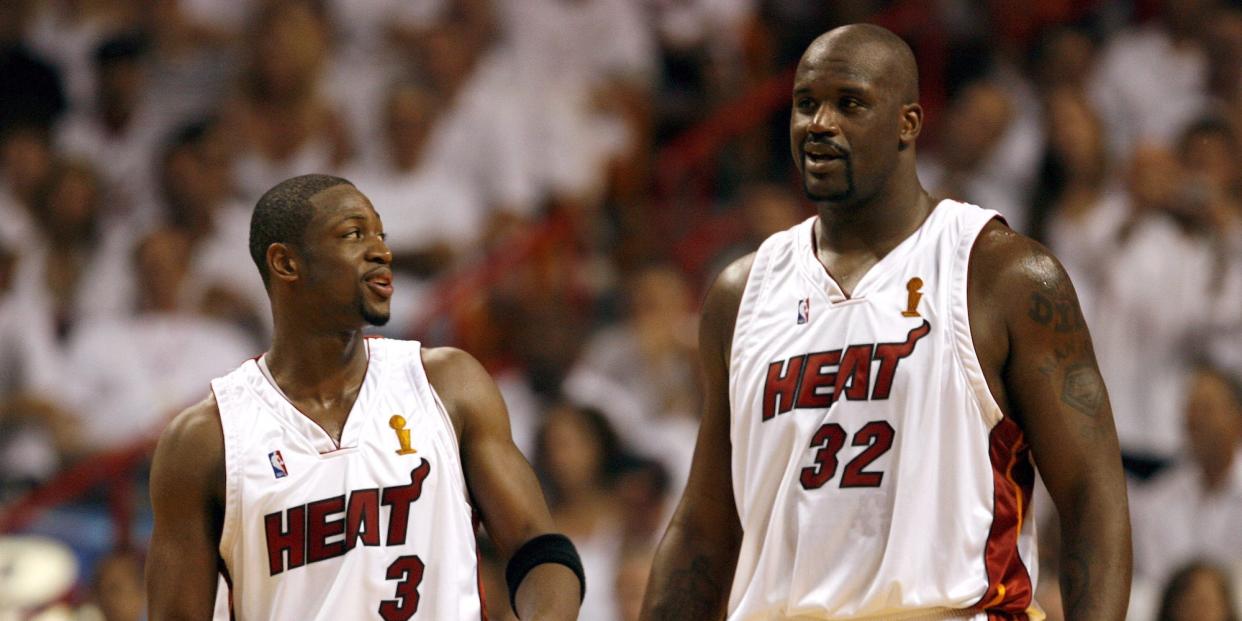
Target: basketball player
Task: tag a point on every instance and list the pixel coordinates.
(878, 379)
(334, 476)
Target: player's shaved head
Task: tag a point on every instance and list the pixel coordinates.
(878, 53)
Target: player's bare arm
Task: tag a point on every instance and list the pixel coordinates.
(693, 568)
(501, 481)
(187, 496)
(1037, 353)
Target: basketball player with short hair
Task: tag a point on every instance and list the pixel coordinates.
(878, 381)
(335, 476)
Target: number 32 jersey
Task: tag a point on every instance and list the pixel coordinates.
(377, 527)
(873, 472)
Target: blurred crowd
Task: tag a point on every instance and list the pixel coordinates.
(136, 135)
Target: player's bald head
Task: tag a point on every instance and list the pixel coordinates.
(878, 55)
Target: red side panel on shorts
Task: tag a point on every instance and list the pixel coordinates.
(1009, 592)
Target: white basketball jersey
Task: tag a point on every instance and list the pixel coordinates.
(379, 527)
(874, 474)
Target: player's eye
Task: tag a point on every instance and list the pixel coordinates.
(353, 234)
(849, 103)
(805, 104)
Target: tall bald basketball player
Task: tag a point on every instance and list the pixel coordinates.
(879, 379)
(333, 477)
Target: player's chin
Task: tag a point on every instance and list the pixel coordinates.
(821, 191)
(376, 315)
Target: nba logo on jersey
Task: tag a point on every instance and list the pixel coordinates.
(278, 464)
(804, 310)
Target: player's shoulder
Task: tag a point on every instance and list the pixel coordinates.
(1002, 255)
(189, 457)
(449, 360)
(196, 426)
(731, 281)
(455, 374)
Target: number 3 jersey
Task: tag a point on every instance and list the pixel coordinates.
(873, 472)
(377, 527)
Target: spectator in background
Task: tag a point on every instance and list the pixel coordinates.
(199, 201)
(1224, 53)
(68, 32)
(1064, 57)
(191, 63)
(1077, 210)
(577, 454)
(1209, 149)
(1193, 510)
(26, 159)
(1198, 592)
(1151, 79)
(469, 73)
(131, 374)
(76, 269)
(284, 124)
(117, 588)
(642, 373)
(963, 166)
(1164, 237)
(119, 132)
(373, 44)
(585, 69)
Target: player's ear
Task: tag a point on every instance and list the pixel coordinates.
(282, 262)
(911, 125)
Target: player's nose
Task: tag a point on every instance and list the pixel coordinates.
(824, 121)
(379, 252)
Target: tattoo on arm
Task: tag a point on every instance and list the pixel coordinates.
(1071, 365)
(691, 592)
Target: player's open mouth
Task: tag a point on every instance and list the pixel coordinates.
(381, 284)
(819, 157)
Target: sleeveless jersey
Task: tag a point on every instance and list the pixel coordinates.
(379, 527)
(873, 472)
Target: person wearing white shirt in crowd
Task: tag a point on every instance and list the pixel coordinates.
(1140, 333)
(119, 133)
(74, 270)
(283, 120)
(1194, 509)
(580, 64)
(199, 201)
(1191, 512)
(133, 373)
(1151, 80)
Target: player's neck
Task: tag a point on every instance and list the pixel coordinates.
(875, 226)
(317, 365)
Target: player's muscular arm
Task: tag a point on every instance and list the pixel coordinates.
(501, 481)
(1031, 336)
(694, 565)
(187, 496)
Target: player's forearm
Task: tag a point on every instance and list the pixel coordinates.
(1095, 555)
(550, 592)
(690, 577)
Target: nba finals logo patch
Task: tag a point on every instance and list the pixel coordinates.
(804, 310)
(278, 464)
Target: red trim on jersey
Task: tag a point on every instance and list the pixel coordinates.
(1009, 591)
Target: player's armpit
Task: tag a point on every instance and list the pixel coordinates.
(187, 497)
(1039, 345)
(502, 484)
(694, 564)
